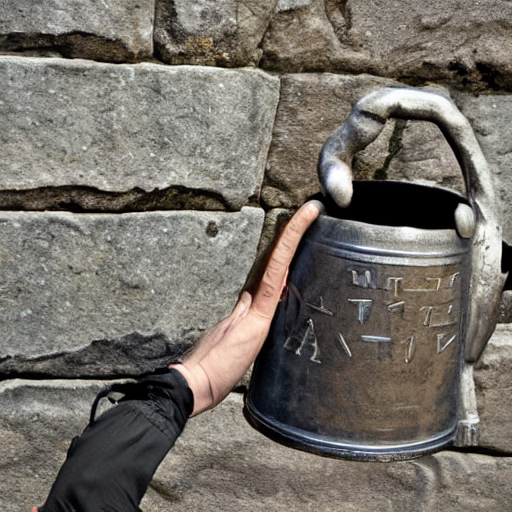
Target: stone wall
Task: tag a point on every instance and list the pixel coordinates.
(147, 148)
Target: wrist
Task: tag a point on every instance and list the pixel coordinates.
(199, 383)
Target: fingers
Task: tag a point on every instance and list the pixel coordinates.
(266, 298)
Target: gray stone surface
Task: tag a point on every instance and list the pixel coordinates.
(463, 43)
(146, 126)
(505, 315)
(105, 30)
(490, 117)
(220, 463)
(211, 32)
(493, 382)
(288, 5)
(38, 419)
(312, 38)
(422, 155)
(104, 294)
(311, 107)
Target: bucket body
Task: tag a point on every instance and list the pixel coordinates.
(364, 355)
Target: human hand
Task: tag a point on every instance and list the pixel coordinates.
(106, 456)
(224, 353)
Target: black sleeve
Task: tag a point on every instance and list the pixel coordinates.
(109, 467)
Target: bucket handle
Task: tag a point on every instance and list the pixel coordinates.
(480, 222)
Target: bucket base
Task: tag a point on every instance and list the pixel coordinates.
(306, 441)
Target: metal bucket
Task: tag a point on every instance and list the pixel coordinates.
(391, 297)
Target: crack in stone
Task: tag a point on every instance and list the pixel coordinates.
(395, 145)
(130, 355)
(84, 199)
(75, 44)
(339, 17)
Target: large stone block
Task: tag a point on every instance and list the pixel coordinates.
(146, 126)
(312, 106)
(221, 463)
(459, 42)
(104, 294)
(213, 33)
(110, 31)
(490, 117)
(421, 154)
(493, 382)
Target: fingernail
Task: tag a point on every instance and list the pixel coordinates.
(317, 205)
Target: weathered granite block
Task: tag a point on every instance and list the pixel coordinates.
(221, 463)
(109, 31)
(468, 45)
(421, 154)
(145, 126)
(213, 33)
(101, 294)
(312, 106)
(493, 382)
(490, 117)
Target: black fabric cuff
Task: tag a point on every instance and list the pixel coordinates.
(109, 467)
